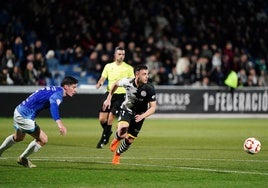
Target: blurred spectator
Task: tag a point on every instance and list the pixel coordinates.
(186, 77)
(201, 69)
(5, 77)
(2, 50)
(137, 57)
(216, 75)
(17, 76)
(245, 63)
(262, 81)
(252, 78)
(80, 58)
(216, 60)
(183, 70)
(206, 52)
(55, 75)
(8, 61)
(149, 47)
(39, 47)
(109, 50)
(205, 82)
(87, 42)
(42, 70)
(167, 29)
(164, 43)
(153, 66)
(93, 67)
(30, 74)
(130, 51)
(19, 51)
(242, 76)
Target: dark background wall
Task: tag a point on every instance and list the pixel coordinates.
(170, 100)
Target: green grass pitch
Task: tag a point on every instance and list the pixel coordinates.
(167, 153)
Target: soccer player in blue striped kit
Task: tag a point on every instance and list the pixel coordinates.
(26, 112)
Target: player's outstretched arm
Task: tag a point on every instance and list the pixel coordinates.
(61, 127)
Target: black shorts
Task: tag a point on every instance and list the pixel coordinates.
(116, 102)
(134, 127)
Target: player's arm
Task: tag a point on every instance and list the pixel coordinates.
(104, 76)
(107, 102)
(100, 82)
(61, 127)
(149, 111)
(54, 111)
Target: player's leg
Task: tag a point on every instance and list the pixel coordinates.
(122, 127)
(39, 141)
(116, 102)
(103, 117)
(125, 144)
(132, 132)
(18, 136)
(108, 130)
(11, 140)
(34, 146)
(120, 133)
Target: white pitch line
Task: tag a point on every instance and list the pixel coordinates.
(181, 167)
(203, 169)
(74, 160)
(201, 159)
(178, 167)
(151, 158)
(174, 158)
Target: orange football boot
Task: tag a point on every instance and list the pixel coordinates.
(116, 159)
(114, 145)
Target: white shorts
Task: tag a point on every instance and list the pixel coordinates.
(25, 125)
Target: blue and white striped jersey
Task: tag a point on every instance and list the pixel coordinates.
(47, 97)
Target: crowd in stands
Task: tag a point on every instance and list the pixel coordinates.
(183, 42)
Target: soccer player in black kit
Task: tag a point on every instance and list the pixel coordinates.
(139, 103)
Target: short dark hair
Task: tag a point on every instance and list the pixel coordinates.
(68, 80)
(140, 67)
(118, 48)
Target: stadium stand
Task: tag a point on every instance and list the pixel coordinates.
(195, 42)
